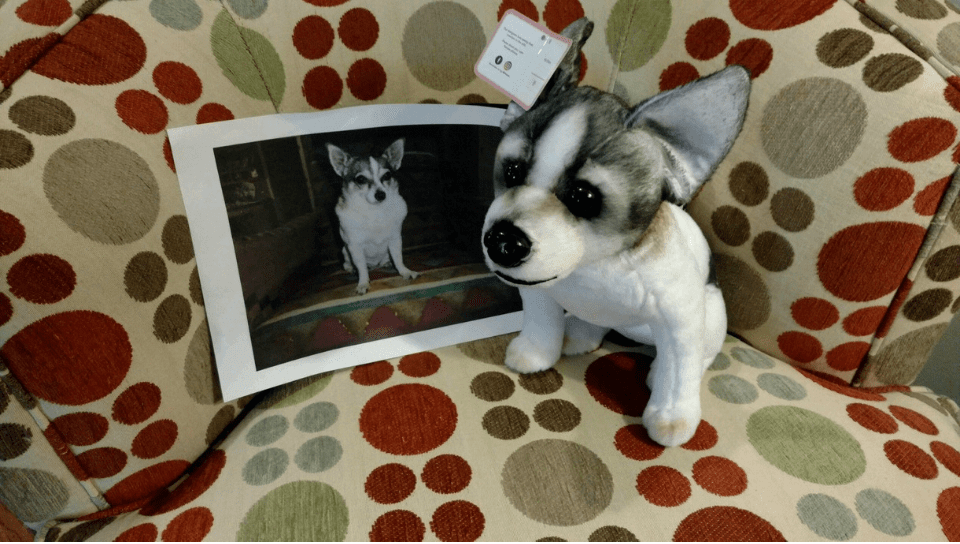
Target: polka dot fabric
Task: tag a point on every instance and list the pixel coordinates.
(819, 216)
(450, 445)
(837, 246)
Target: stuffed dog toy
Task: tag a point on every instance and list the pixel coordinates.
(587, 224)
(371, 211)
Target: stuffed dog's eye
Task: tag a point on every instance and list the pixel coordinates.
(514, 173)
(387, 176)
(583, 200)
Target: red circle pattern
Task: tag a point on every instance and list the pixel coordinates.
(814, 313)
(911, 459)
(142, 111)
(45, 12)
(57, 360)
(41, 279)
(921, 139)
(390, 484)
(726, 524)
(677, 74)
(213, 112)
(190, 526)
(372, 373)
(136, 404)
(914, 420)
(800, 346)
(155, 439)
(883, 189)
(313, 37)
(720, 476)
(753, 54)
(177, 82)
(322, 87)
(12, 233)
(419, 365)
(847, 357)
(366, 79)
(408, 419)
(398, 526)
(663, 486)
(358, 29)
(457, 521)
(616, 382)
(634, 442)
(707, 38)
(82, 428)
(447, 474)
(864, 321)
(872, 418)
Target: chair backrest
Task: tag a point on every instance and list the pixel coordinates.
(840, 180)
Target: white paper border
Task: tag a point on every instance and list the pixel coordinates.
(193, 147)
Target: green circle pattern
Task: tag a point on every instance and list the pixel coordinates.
(885, 512)
(720, 362)
(316, 417)
(806, 445)
(827, 517)
(318, 454)
(267, 431)
(781, 386)
(266, 466)
(636, 30)
(311, 512)
(732, 389)
(752, 358)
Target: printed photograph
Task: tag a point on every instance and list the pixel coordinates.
(348, 237)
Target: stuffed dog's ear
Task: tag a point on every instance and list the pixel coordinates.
(698, 123)
(338, 159)
(394, 154)
(567, 74)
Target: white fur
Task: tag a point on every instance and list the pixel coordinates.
(645, 295)
(371, 229)
(582, 273)
(558, 147)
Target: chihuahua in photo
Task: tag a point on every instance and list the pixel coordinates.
(588, 224)
(371, 211)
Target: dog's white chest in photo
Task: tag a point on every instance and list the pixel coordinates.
(588, 224)
(371, 211)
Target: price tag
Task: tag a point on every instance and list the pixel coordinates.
(521, 57)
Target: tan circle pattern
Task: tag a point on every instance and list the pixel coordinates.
(749, 183)
(83, 181)
(792, 209)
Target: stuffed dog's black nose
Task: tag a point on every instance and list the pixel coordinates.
(380, 195)
(506, 244)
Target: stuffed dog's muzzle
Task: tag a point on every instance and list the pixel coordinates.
(506, 245)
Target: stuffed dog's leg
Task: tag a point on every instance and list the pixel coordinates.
(715, 325)
(396, 254)
(582, 337)
(673, 413)
(538, 345)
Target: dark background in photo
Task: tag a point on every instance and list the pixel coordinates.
(280, 196)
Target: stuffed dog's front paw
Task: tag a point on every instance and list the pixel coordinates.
(526, 357)
(672, 425)
(362, 288)
(408, 274)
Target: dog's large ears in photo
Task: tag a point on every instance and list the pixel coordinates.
(567, 74)
(698, 124)
(394, 154)
(338, 159)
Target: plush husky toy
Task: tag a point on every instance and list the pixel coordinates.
(587, 221)
(371, 211)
